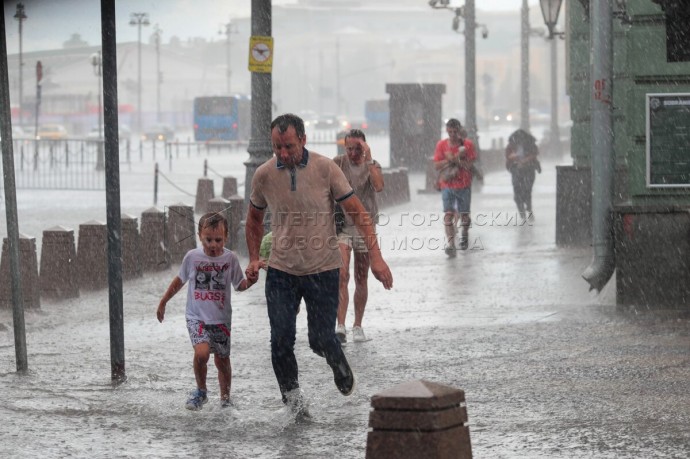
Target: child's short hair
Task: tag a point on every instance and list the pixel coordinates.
(212, 220)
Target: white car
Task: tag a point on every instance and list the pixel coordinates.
(123, 133)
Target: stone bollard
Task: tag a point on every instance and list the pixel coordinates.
(181, 231)
(229, 187)
(131, 247)
(59, 264)
(154, 256)
(431, 179)
(29, 274)
(236, 215)
(419, 419)
(204, 192)
(92, 256)
(221, 206)
(404, 184)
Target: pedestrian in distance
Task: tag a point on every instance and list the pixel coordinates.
(366, 179)
(299, 187)
(522, 163)
(210, 270)
(453, 159)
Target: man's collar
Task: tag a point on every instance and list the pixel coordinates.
(303, 163)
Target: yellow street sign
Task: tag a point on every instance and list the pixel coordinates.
(260, 54)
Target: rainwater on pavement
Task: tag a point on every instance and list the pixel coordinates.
(549, 369)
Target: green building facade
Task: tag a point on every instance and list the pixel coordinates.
(651, 146)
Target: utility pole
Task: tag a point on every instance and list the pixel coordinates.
(139, 19)
(470, 72)
(20, 16)
(555, 136)
(228, 31)
(259, 149)
(159, 75)
(524, 66)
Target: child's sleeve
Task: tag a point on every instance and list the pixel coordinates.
(236, 272)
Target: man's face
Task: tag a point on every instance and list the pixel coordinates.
(353, 148)
(287, 146)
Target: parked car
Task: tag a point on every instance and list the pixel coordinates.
(18, 133)
(159, 132)
(327, 121)
(123, 132)
(309, 117)
(503, 116)
(354, 123)
(51, 132)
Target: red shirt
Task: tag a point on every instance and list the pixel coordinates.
(464, 177)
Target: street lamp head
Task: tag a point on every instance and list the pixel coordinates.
(456, 23)
(20, 15)
(550, 10)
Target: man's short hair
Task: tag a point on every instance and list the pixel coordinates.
(453, 124)
(283, 122)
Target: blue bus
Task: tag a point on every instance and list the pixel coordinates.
(222, 118)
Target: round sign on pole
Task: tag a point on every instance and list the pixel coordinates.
(39, 72)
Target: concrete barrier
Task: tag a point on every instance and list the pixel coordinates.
(29, 274)
(131, 247)
(154, 256)
(58, 275)
(396, 189)
(229, 187)
(92, 256)
(204, 192)
(180, 231)
(236, 215)
(419, 420)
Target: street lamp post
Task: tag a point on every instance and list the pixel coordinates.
(20, 16)
(525, 33)
(139, 19)
(550, 10)
(466, 12)
(97, 63)
(229, 29)
(159, 75)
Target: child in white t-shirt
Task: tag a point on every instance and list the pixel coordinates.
(210, 271)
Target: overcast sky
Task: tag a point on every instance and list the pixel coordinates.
(50, 22)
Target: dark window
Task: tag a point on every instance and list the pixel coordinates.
(677, 33)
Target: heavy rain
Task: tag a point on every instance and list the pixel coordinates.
(558, 309)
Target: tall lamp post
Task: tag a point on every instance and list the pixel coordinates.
(550, 10)
(97, 63)
(139, 19)
(525, 33)
(466, 12)
(159, 75)
(20, 16)
(229, 29)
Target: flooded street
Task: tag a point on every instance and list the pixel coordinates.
(549, 369)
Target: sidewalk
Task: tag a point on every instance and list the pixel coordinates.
(550, 370)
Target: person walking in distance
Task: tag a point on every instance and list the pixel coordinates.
(453, 158)
(522, 162)
(210, 271)
(366, 179)
(299, 187)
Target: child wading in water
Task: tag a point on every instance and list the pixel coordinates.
(210, 271)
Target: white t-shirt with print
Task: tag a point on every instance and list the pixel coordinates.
(209, 279)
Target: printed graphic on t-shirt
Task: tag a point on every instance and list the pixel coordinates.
(210, 282)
